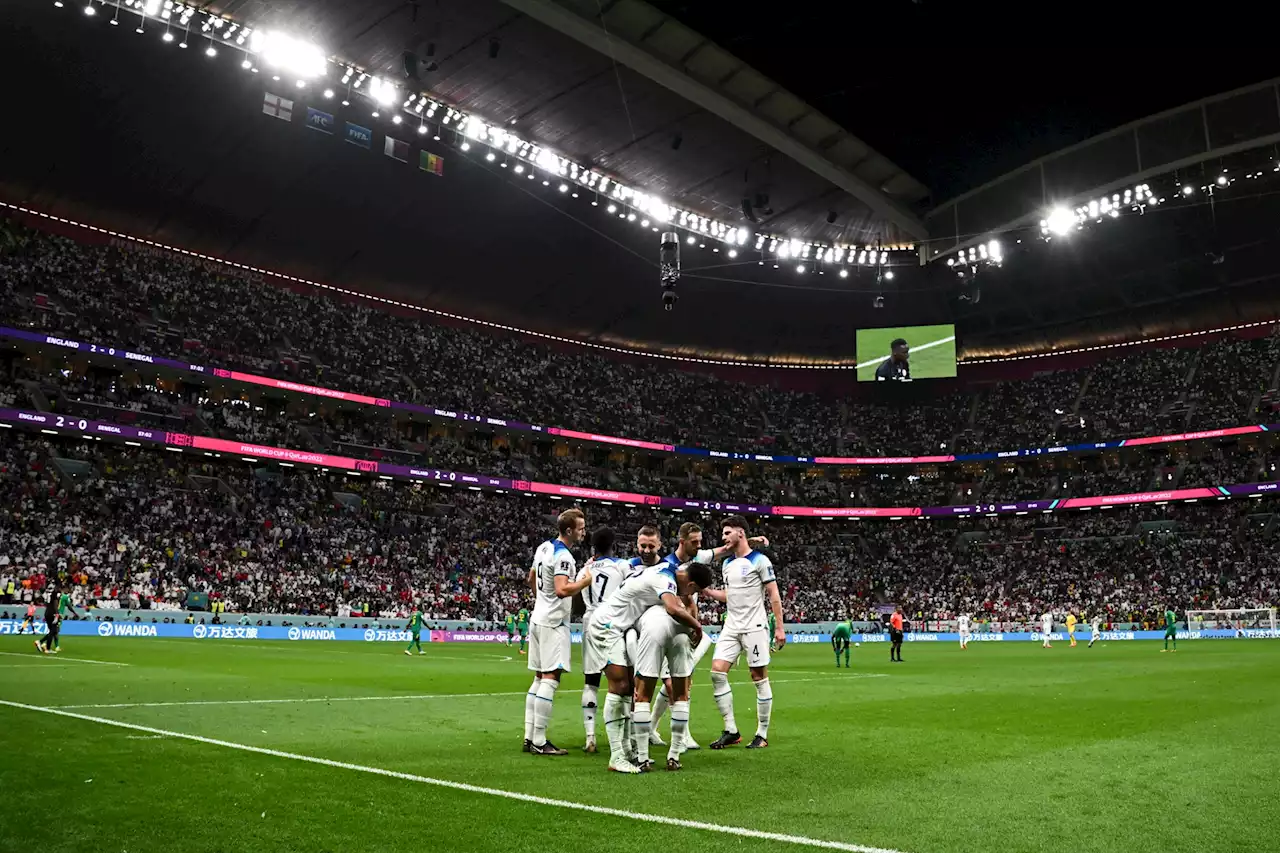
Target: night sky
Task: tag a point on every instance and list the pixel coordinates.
(958, 93)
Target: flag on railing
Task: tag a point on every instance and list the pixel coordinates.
(274, 105)
(396, 150)
(428, 162)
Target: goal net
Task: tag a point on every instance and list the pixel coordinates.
(1262, 618)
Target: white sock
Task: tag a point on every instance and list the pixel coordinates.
(659, 708)
(544, 704)
(615, 725)
(641, 721)
(764, 706)
(679, 728)
(724, 699)
(589, 695)
(530, 700)
(629, 737)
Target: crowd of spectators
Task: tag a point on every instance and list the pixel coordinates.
(374, 432)
(136, 528)
(168, 305)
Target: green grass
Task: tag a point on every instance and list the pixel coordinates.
(1001, 748)
(932, 363)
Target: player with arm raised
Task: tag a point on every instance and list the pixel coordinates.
(607, 574)
(550, 643)
(748, 579)
(689, 550)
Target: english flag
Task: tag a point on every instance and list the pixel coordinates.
(274, 105)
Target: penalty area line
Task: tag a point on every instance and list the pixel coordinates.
(740, 831)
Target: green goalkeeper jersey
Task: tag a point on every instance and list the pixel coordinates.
(415, 623)
(844, 631)
(1170, 620)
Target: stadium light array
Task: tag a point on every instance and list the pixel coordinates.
(382, 91)
(304, 61)
(1059, 221)
(294, 56)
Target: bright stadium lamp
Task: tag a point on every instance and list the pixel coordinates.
(298, 58)
(382, 91)
(1060, 221)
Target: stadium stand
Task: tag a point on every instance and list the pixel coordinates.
(134, 528)
(156, 302)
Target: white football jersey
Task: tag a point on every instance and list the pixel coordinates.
(1046, 622)
(551, 559)
(963, 622)
(607, 575)
(622, 610)
(744, 582)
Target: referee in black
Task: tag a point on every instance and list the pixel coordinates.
(895, 635)
(53, 622)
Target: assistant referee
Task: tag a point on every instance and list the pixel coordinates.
(895, 635)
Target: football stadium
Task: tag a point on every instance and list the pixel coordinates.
(856, 426)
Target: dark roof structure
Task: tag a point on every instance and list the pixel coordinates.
(127, 130)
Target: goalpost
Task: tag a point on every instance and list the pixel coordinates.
(1258, 618)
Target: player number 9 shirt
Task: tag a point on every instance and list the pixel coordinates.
(552, 559)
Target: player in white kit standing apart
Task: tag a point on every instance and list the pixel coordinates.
(607, 574)
(1046, 628)
(748, 579)
(1095, 630)
(549, 640)
(962, 625)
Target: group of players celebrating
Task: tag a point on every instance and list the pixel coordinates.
(642, 626)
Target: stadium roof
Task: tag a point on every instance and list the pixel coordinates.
(173, 146)
(625, 87)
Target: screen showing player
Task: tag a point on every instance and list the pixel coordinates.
(906, 353)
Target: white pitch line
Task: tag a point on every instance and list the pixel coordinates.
(939, 342)
(298, 701)
(412, 697)
(60, 658)
(740, 831)
(34, 665)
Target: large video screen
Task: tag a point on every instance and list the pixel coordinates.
(906, 353)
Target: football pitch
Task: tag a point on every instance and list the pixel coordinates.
(933, 350)
(130, 744)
